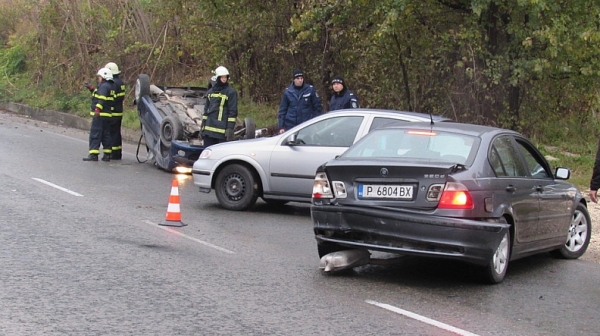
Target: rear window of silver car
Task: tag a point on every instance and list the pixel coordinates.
(415, 144)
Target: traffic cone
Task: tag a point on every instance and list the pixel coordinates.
(173, 217)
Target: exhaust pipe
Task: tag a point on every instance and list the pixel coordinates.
(341, 260)
(347, 259)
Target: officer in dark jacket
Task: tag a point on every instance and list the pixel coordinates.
(117, 113)
(220, 110)
(595, 181)
(300, 103)
(102, 104)
(342, 97)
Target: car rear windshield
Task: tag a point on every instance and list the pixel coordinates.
(415, 144)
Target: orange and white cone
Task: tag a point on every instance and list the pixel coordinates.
(173, 217)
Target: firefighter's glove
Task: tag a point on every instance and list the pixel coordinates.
(229, 134)
(96, 112)
(89, 87)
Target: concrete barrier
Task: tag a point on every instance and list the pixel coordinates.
(64, 119)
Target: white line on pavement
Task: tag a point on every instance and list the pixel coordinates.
(421, 318)
(189, 237)
(56, 186)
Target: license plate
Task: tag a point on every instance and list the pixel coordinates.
(385, 191)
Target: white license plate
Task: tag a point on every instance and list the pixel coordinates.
(385, 191)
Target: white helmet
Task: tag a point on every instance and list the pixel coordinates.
(105, 73)
(112, 66)
(221, 71)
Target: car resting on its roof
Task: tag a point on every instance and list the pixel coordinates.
(171, 120)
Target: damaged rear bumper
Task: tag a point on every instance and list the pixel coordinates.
(407, 233)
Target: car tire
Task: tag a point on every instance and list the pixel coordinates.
(142, 86)
(170, 129)
(578, 236)
(236, 187)
(325, 248)
(495, 271)
(250, 126)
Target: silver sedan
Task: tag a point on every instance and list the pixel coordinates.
(282, 168)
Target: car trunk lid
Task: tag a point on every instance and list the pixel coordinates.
(390, 182)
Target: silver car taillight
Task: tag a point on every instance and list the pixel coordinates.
(434, 192)
(321, 187)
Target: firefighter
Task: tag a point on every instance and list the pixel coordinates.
(102, 103)
(220, 110)
(117, 112)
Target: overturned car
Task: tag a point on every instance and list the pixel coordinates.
(171, 120)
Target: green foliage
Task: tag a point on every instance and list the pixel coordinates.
(12, 60)
(130, 119)
(264, 115)
(532, 66)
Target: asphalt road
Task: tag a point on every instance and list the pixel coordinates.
(81, 254)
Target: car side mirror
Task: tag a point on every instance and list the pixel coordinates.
(291, 140)
(562, 173)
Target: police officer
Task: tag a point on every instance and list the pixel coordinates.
(102, 103)
(117, 112)
(220, 110)
(300, 102)
(342, 97)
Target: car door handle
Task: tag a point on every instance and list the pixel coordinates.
(511, 188)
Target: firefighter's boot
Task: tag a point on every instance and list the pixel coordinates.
(91, 157)
(116, 155)
(106, 157)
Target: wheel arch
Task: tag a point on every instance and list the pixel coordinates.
(511, 221)
(252, 166)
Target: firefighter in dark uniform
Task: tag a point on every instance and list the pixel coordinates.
(117, 112)
(342, 97)
(220, 110)
(102, 103)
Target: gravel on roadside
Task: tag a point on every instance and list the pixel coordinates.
(593, 251)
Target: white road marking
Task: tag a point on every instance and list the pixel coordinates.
(421, 318)
(168, 229)
(57, 187)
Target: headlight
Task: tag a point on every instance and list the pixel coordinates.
(183, 170)
(205, 154)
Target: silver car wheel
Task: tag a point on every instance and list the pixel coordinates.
(578, 231)
(235, 187)
(500, 258)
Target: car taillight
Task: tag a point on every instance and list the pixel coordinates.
(321, 187)
(455, 196)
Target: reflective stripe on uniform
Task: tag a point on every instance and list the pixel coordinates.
(223, 101)
(215, 129)
(102, 114)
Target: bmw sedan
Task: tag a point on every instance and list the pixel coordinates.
(478, 194)
(282, 168)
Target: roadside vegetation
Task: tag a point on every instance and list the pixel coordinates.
(531, 66)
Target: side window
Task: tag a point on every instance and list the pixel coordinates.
(504, 158)
(332, 132)
(535, 164)
(380, 122)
